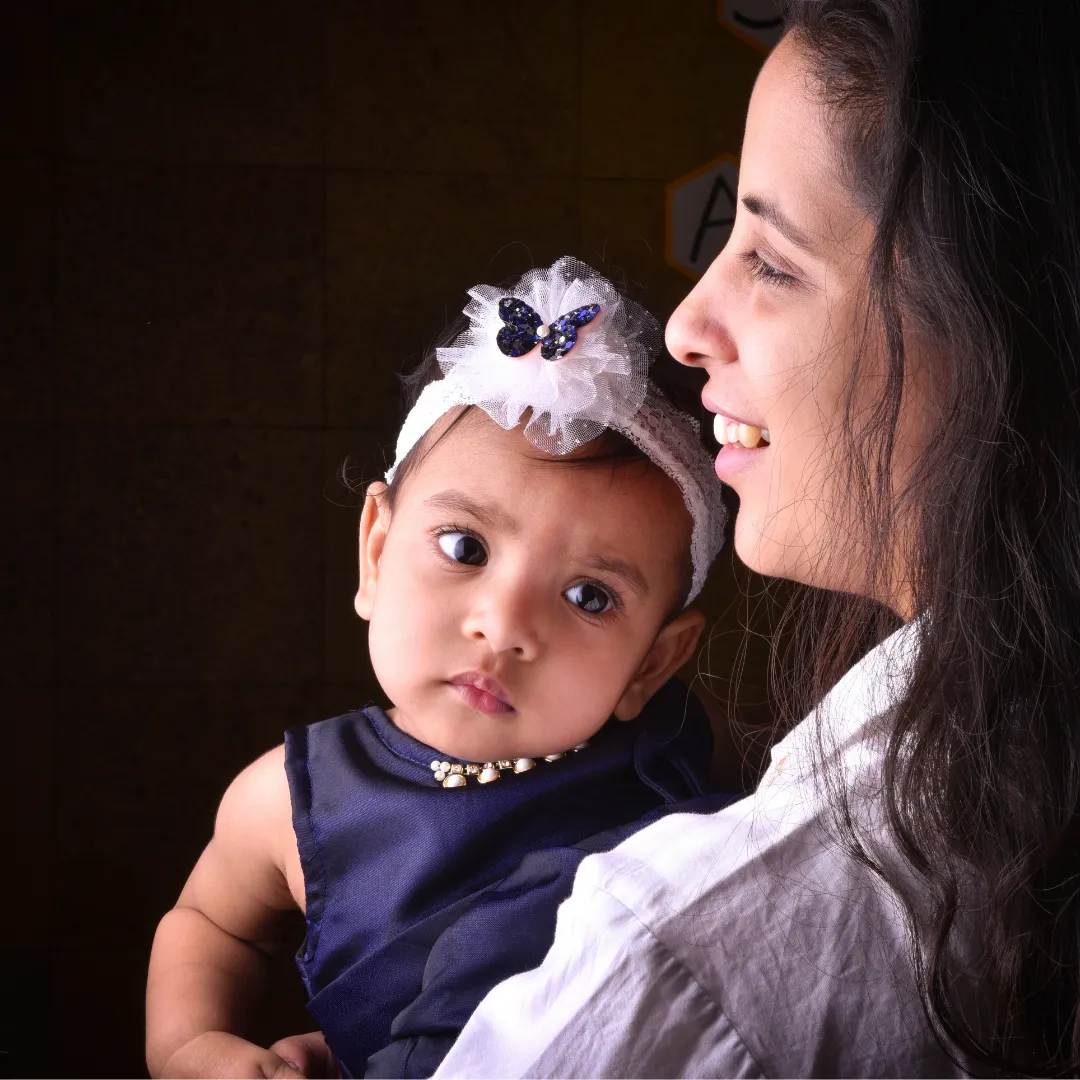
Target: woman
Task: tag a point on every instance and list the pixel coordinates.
(898, 306)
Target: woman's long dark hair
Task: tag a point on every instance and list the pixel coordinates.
(959, 126)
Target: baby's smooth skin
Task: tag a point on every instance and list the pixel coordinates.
(516, 602)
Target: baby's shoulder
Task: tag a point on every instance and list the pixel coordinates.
(260, 789)
(256, 814)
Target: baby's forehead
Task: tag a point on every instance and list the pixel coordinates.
(605, 487)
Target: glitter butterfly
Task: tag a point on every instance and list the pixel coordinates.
(523, 328)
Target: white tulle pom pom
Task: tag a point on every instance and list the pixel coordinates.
(599, 384)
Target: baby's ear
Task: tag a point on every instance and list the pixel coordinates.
(374, 525)
(674, 645)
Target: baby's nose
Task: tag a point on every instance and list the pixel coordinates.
(508, 618)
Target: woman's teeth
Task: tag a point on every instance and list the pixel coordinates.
(744, 435)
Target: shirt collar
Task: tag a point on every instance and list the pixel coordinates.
(850, 711)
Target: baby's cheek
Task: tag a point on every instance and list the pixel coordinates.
(388, 659)
(587, 685)
(400, 633)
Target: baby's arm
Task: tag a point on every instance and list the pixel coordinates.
(209, 958)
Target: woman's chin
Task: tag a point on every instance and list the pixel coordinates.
(747, 542)
(756, 552)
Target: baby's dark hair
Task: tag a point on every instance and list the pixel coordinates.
(679, 385)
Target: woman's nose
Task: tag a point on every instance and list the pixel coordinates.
(507, 616)
(696, 334)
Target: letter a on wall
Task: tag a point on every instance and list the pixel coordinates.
(700, 213)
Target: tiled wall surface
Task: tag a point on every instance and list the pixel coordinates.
(231, 222)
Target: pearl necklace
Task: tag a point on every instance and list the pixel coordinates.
(452, 775)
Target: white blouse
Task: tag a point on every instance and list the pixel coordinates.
(740, 943)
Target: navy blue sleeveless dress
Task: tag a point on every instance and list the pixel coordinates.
(421, 898)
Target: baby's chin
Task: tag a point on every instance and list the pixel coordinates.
(469, 735)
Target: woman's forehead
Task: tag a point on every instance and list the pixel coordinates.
(790, 157)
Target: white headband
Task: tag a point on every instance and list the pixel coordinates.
(522, 351)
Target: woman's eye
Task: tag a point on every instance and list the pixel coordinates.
(590, 598)
(463, 548)
(760, 270)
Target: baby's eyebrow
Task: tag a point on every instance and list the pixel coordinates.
(457, 502)
(627, 571)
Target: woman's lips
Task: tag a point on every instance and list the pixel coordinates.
(721, 411)
(729, 429)
(483, 693)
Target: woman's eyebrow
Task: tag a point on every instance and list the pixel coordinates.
(769, 210)
(457, 502)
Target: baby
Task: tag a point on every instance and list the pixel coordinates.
(525, 570)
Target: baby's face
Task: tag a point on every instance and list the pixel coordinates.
(514, 601)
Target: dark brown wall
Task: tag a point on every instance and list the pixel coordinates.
(232, 222)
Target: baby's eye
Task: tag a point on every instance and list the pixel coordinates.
(463, 548)
(590, 598)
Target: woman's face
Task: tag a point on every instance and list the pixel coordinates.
(776, 322)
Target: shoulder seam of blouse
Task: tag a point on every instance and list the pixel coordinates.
(663, 945)
(314, 925)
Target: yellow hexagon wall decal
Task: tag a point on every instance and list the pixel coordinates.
(700, 213)
(757, 22)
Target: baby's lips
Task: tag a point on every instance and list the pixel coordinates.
(484, 683)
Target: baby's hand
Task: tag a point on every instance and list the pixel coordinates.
(310, 1054)
(219, 1054)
